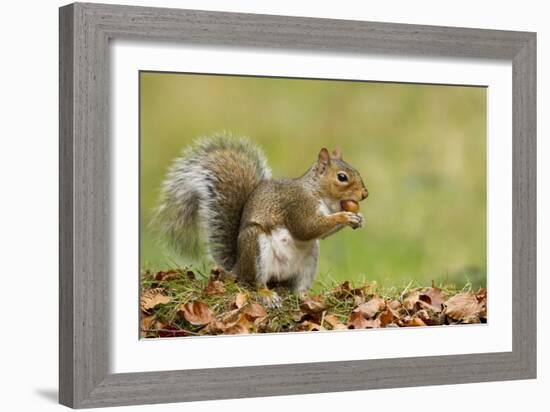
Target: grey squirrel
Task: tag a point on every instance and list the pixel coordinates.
(219, 198)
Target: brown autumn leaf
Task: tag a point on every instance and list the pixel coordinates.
(167, 275)
(463, 307)
(339, 326)
(386, 317)
(436, 295)
(366, 289)
(332, 320)
(230, 317)
(153, 297)
(358, 299)
(413, 322)
(254, 310)
(168, 330)
(481, 295)
(373, 323)
(312, 306)
(244, 320)
(214, 287)
(370, 308)
(310, 326)
(430, 317)
(424, 304)
(433, 296)
(342, 291)
(236, 329)
(357, 321)
(228, 320)
(410, 301)
(393, 304)
(240, 300)
(215, 327)
(196, 312)
(147, 323)
(172, 333)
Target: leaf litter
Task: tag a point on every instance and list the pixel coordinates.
(181, 302)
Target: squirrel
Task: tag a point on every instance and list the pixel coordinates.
(219, 198)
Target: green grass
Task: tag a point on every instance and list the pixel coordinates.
(421, 150)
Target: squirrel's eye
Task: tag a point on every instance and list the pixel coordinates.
(342, 177)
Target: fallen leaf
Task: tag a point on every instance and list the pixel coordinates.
(463, 307)
(373, 323)
(481, 297)
(367, 289)
(312, 307)
(153, 297)
(436, 295)
(254, 310)
(167, 330)
(339, 326)
(146, 324)
(240, 300)
(332, 320)
(172, 333)
(236, 329)
(230, 317)
(414, 322)
(342, 291)
(430, 318)
(357, 321)
(424, 304)
(196, 312)
(167, 275)
(214, 287)
(386, 317)
(370, 308)
(410, 301)
(215, 327)
(232, 321)
(309, 326)
(394, 306)
(358, 299)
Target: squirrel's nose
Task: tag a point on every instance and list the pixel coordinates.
(365, 194)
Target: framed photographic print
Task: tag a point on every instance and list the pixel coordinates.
(257, 205)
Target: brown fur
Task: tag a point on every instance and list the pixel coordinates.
(294, 204)
(219, 192)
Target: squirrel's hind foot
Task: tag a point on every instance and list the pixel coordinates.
(270, 298)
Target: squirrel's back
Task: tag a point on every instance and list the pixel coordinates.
(203, 196)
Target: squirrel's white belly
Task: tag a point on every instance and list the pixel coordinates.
(283, 257)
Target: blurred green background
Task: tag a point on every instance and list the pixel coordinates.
(421, 150)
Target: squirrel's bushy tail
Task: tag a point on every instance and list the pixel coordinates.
(203, 196)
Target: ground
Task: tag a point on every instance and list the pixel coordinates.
(186, 302)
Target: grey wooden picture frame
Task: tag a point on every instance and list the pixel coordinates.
(85, 33)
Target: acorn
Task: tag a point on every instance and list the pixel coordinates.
(349, 206)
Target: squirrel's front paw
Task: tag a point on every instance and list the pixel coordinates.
(355, 220)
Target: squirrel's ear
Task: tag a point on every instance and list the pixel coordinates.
(323, 161)
(337, 154)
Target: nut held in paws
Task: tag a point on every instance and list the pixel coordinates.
(350, 206)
